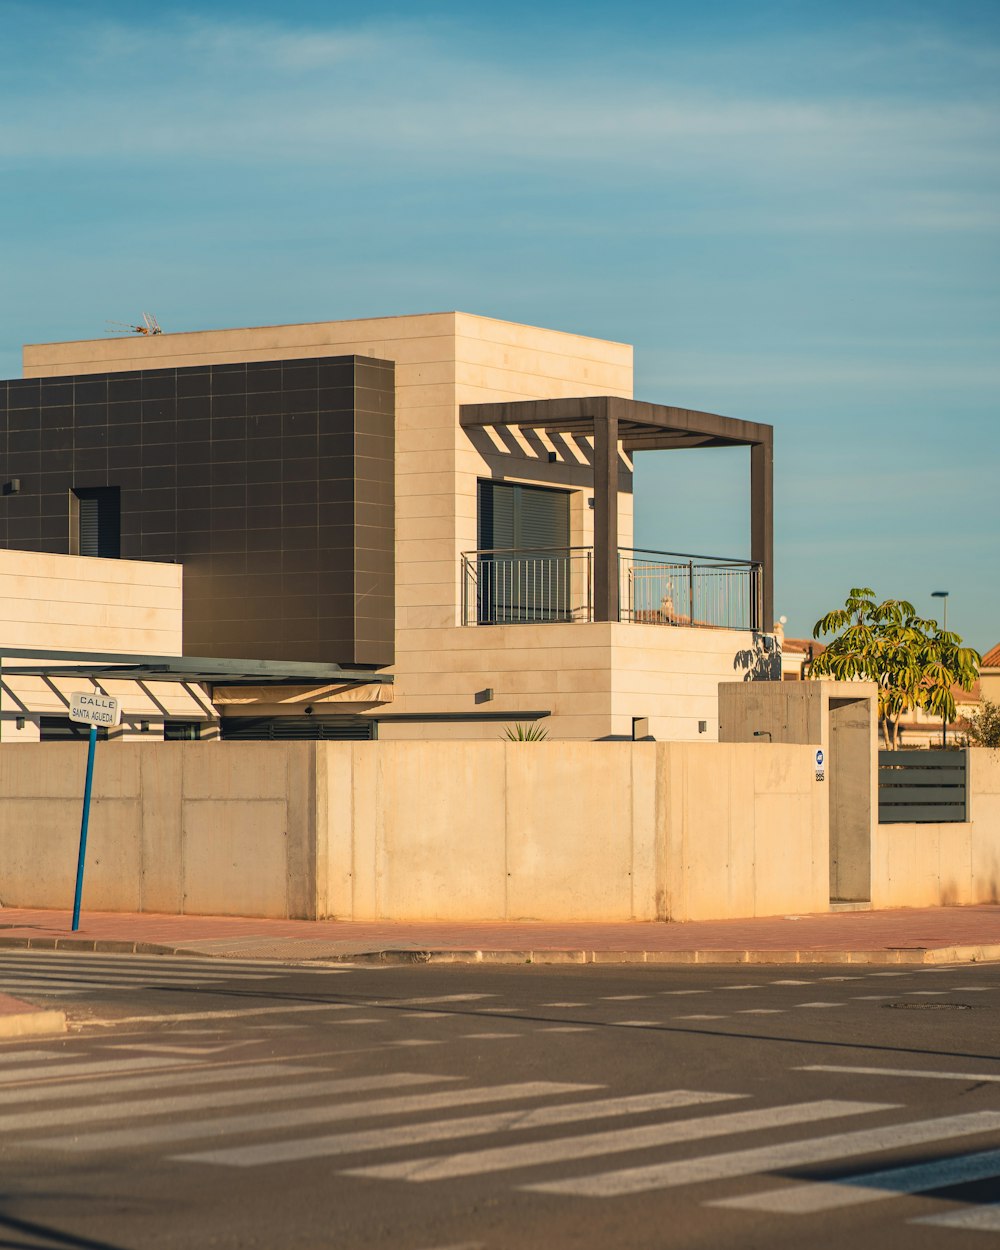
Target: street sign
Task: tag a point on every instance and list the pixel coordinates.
(820, 758)
(90, 708)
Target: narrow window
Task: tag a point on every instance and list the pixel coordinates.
(96, 522)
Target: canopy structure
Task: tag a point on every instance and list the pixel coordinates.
(229, 672)
(638, 426)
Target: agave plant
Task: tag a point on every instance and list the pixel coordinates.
(525, 733)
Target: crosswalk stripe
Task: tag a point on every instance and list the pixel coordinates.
(27, 1056)
(215, 1075)
(985, 1219)
(57, 1117)
(448, 1130)
(531, 1154)
(54, 1071)
(433, 998)
(768, 1158)
(849, 1191)
(227, 1013)
(71, 989)
(298, 1117)
(123, 972)
(930, 1076)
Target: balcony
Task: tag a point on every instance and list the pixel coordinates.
(654, 588)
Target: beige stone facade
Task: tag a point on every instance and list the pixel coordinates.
(592, 678)
(72, 604)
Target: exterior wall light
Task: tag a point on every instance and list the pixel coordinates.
(13, 487)
(144, 726)
(18, 722)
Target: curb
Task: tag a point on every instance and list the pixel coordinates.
(903, 955)
(19, 1019)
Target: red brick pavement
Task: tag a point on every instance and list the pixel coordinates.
(866, 931)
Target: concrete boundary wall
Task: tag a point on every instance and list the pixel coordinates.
(571, 830)
(929, 865)
(419, 830)
(183, 827)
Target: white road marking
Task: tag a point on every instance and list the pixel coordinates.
(770, 1158)
(870, 998)
(971, 989)
(791, 982)
(416, 1041)
(678, 992)
(56, 1117)
(564, 1004)
(742, 987)
(849, 1191)
(229, 1014)
(60, 1071)
(80, 985)
(184, 1049)
(560, 1028)
(622, 998)
(759, 1011)
(296, 1117)
(818, 1004)
(984, 1219)
(63, 1091)
(490, 1036)
(639, 1024)
(360, 1020)
(700, 1017)
(586, 1146)
(28, 1056)
(930, 1076)
(449, 1130)
(434, 998)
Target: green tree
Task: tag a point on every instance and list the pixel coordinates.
(911, 660)
(983, 727)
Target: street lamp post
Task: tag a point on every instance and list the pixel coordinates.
(943, 594)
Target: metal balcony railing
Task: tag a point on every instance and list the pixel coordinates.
(527, 587)
(515, 587)
(669, 588)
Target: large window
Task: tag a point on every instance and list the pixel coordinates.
(523, 568)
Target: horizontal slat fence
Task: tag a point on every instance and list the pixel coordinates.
(922, 787)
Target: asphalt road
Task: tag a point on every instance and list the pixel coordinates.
(204, 1103)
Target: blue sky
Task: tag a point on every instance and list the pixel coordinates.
(790, 208)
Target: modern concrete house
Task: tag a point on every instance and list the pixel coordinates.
(404, 527)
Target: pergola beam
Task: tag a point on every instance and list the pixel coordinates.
(639, 426)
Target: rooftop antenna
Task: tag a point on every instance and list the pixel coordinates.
(149, 326)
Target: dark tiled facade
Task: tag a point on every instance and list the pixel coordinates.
(271, 482)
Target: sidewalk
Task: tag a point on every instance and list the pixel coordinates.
(933, 935)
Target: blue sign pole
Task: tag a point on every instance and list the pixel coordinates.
(85, 820)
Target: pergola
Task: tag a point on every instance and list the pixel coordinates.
(638, 426)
